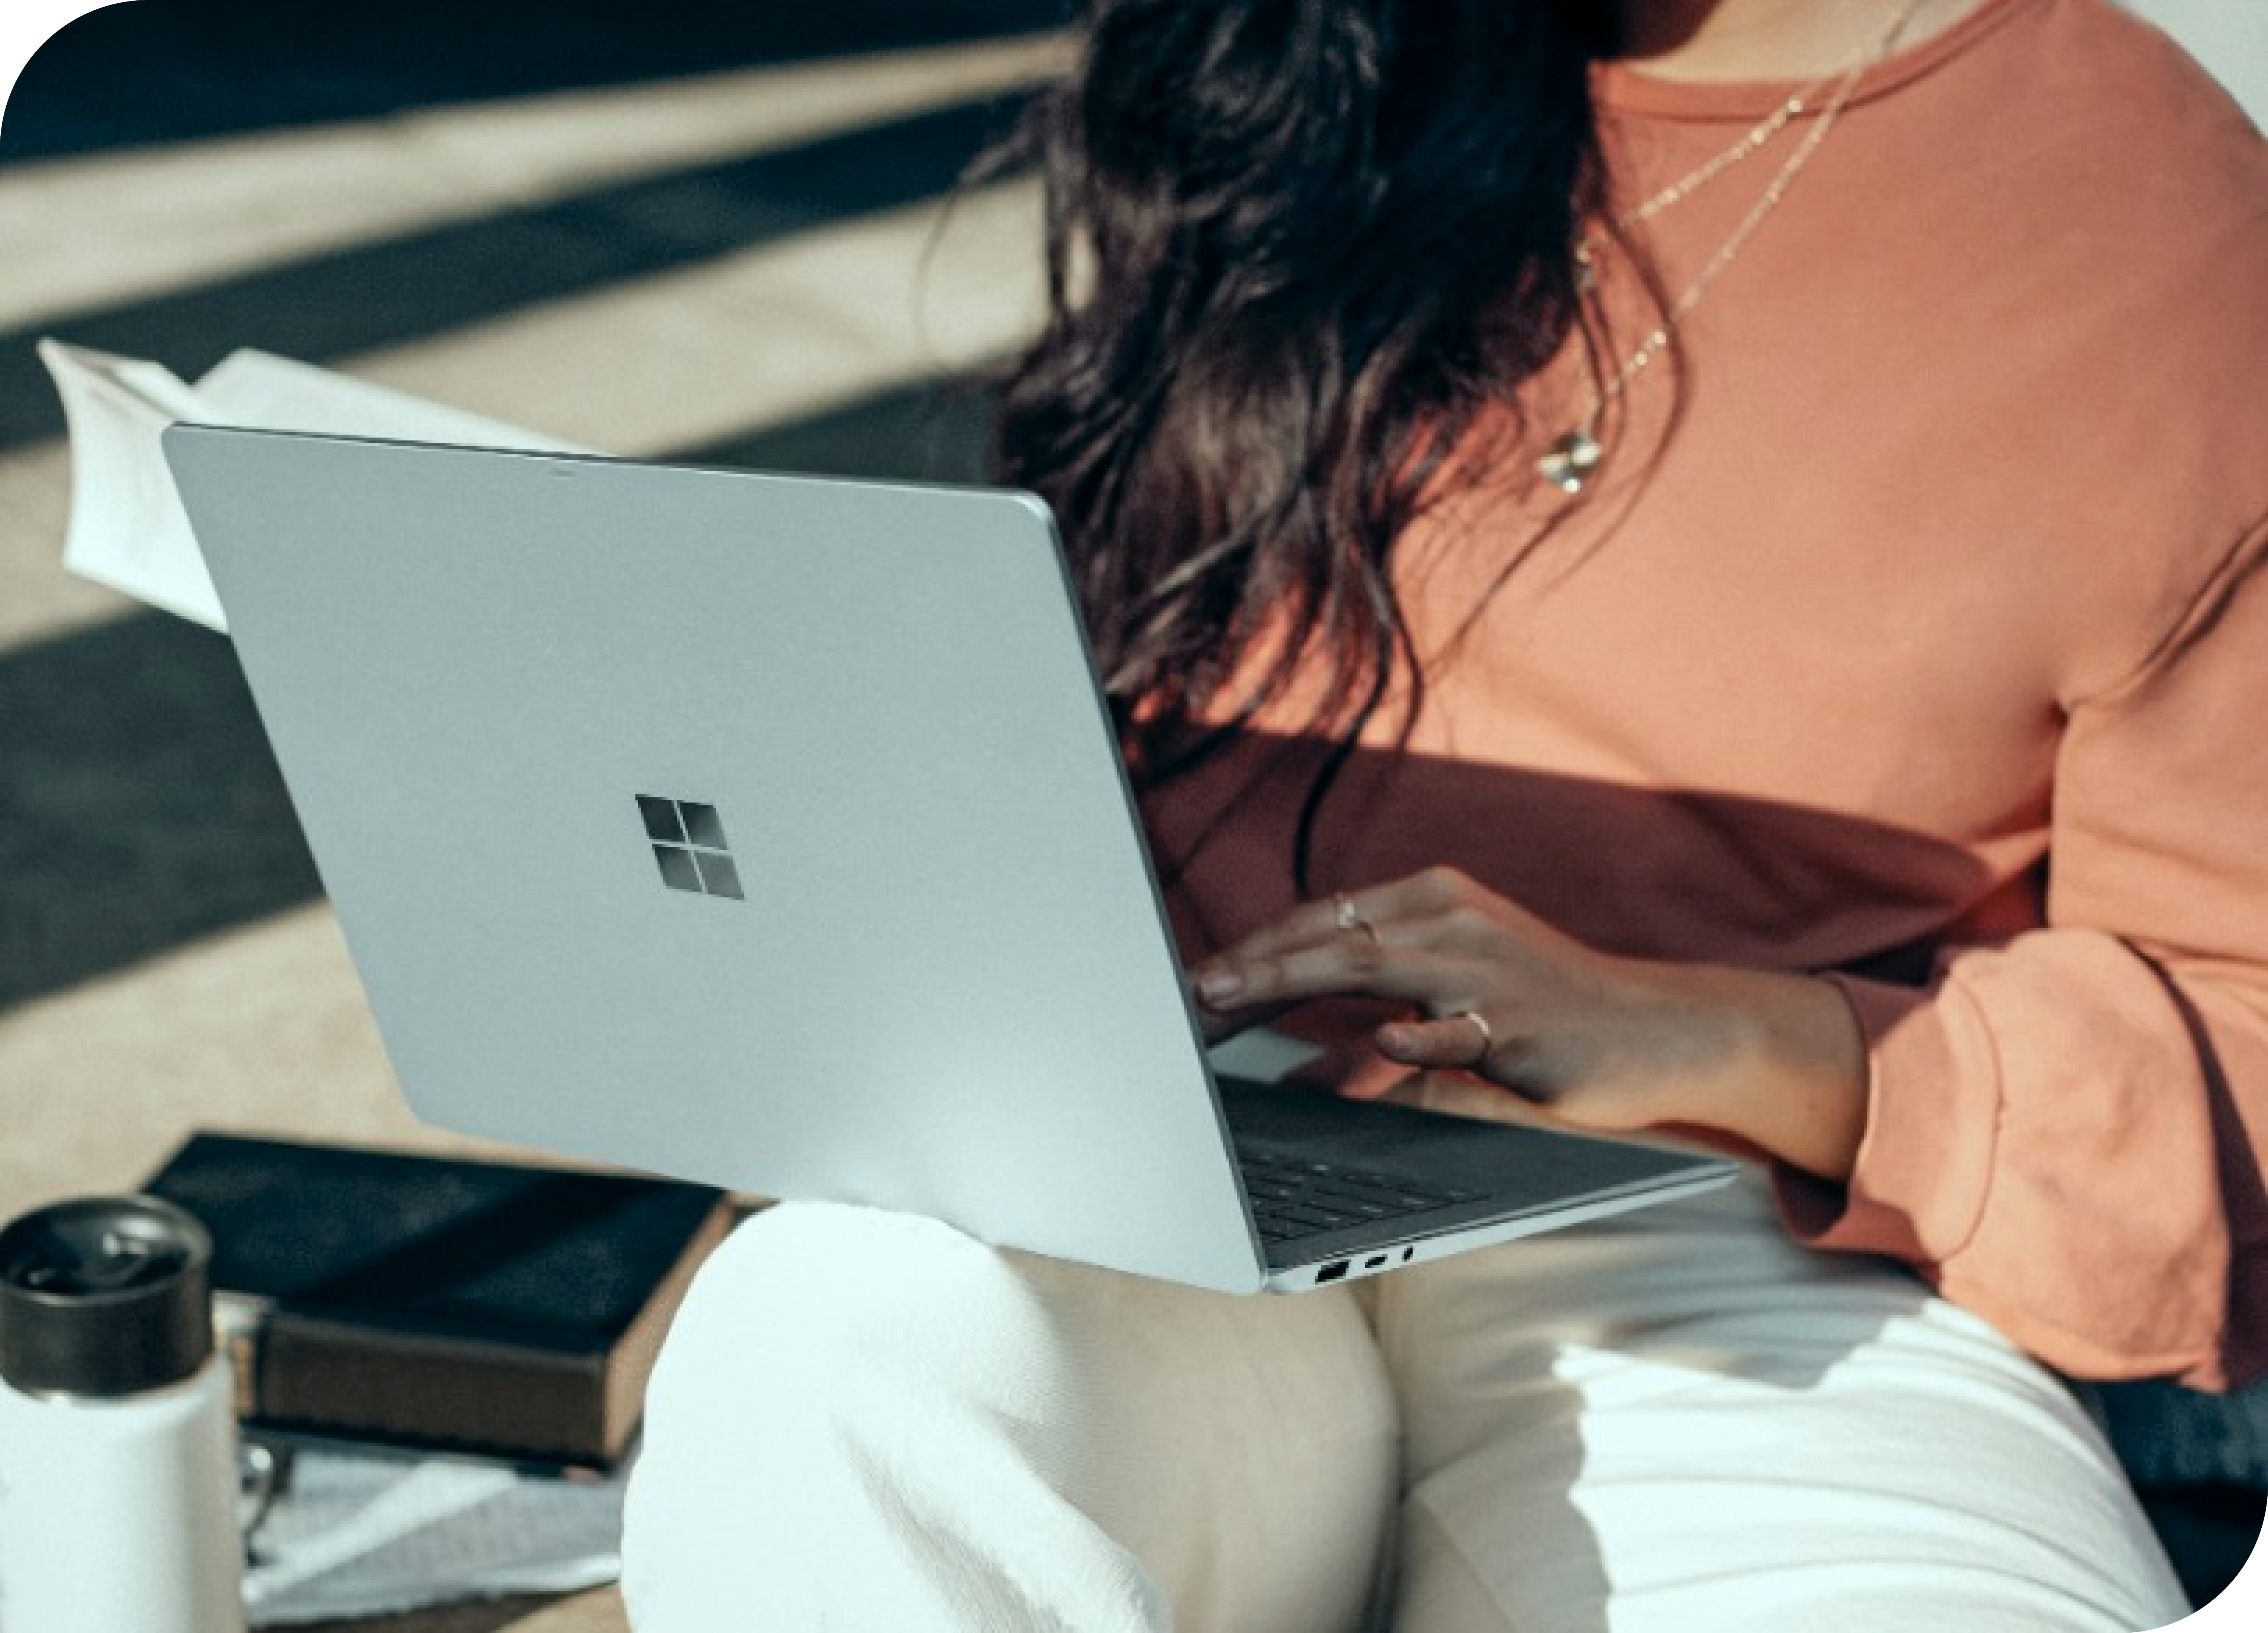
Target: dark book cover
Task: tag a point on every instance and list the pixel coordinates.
(491, 1308)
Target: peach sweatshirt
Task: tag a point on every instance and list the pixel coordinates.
(1929, 649)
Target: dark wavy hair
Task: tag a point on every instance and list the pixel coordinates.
(1293, 247)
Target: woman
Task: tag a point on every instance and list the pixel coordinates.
(1691, 565)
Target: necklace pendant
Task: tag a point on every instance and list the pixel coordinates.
(1567, 464)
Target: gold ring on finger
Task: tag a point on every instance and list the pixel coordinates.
(1344, 914)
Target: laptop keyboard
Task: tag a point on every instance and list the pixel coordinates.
(1293, 1197)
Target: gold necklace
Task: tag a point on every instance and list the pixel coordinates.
(1574, 455)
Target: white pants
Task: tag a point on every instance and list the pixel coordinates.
(1676, 1421)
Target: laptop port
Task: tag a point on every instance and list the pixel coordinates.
(1332, 1272)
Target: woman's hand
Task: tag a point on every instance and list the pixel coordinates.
(1608, 1043)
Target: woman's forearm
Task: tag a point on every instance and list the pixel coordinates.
(1790, 1074)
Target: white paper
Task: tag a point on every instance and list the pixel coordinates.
(128, 529)
(365, 1534)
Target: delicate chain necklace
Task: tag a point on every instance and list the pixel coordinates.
(1574, 455)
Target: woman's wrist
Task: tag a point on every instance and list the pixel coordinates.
(1792, 1077)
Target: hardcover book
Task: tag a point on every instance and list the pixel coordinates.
(488, 1307)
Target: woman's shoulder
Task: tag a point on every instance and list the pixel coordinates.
(2201, 54)
(2138, 125)
(2093, 221)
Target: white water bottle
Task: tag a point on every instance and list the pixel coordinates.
(117, 1434)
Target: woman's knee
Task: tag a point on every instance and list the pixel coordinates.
(917, 1408)
(837, 1387)
(803, 1297)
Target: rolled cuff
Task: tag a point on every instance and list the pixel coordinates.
(1917, 1187)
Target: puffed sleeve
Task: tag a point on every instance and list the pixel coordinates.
(2066, 1133)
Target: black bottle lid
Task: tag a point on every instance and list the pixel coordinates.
(104, 1298)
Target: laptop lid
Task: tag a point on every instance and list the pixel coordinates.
(763, 830)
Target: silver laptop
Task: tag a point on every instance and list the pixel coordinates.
(768, 831)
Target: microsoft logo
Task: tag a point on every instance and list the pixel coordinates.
(689, 843)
